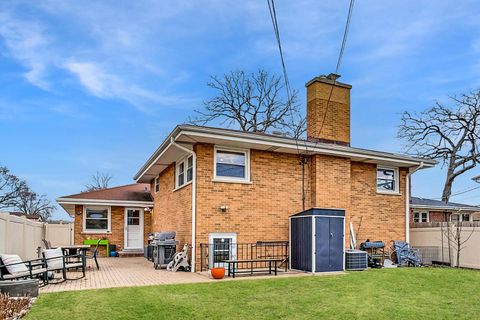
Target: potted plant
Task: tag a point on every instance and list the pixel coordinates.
(217, 272)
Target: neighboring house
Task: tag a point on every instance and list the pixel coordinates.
(34, 217)
(120, 214)
(428, 210)
(214, 185)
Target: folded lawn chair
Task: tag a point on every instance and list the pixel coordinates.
(406, 256)
(13, 268)
(55, 260)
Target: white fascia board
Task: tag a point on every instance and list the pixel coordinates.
(333, 150)
(279, 142)
(92, 202)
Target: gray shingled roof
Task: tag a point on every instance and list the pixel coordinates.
(437, 204)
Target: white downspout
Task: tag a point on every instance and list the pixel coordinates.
(194, 200)
(407, 200)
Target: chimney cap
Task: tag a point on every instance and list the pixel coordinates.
(330, 79)
(333, 76)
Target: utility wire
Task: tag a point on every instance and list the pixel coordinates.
(345, 34)
(339, 61)
(456, 194)
(273, 16)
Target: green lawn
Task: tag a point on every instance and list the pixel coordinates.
(422, 293)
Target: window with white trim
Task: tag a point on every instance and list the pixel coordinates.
(184, 171)
(387, 180)
(232, 165)
(96, 219)
(464, 217)
(156, 185)
(420, 217)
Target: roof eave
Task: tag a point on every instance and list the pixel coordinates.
(64, 201)
(304, 146)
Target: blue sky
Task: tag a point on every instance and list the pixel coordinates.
(97, 86)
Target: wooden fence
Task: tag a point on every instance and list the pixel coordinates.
(22, 236)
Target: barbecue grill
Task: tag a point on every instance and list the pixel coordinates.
(164, 248)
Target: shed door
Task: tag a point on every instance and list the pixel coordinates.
(336, 244)
(301, 243)
(329, 244)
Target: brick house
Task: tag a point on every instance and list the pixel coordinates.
(120, 214)
(213, 183)
(429, 210)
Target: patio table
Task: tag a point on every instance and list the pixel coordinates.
(72, 249)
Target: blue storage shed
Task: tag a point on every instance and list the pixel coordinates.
(317, 240)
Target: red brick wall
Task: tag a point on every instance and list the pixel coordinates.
(259, 211)
(376, 216)
(116, 236)
(172, 208)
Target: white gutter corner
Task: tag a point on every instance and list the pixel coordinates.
(194, 200)
(407, 199)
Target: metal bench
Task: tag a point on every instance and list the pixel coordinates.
(233, 266)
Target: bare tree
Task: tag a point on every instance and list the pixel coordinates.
(457, 237)
(11, 188)
(30, 203)
(252, 103)
(100, 181)
(447, 134)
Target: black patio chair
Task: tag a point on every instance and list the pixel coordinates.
(94, 254)
(58, 261)
(36, 269)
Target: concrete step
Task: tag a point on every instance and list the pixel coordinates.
(130, 253)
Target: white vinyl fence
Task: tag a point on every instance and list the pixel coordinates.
(19, 235)
(432, 241)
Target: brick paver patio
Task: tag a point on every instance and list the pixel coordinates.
(131, 272)
(123, 272)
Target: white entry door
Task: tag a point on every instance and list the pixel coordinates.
(222, 246)
(133, 228)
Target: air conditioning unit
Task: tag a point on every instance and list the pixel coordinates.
(356, 260)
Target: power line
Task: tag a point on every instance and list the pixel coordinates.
(339, 61)
(345, 34)
(273, 16)
(457, 193)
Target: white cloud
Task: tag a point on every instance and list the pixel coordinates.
(92, 78)
(26, 42)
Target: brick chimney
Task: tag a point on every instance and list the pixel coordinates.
(335, 117)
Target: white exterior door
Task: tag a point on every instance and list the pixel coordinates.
(222, 246)
(133, 228)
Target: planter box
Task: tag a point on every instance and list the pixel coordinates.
(103, 242)
(20, 288)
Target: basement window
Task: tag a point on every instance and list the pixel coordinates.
(387, 180)
(420, 217)
(184, 172)
(96, 219)
(232, 165)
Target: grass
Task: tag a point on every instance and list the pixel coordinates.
(409, 293)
